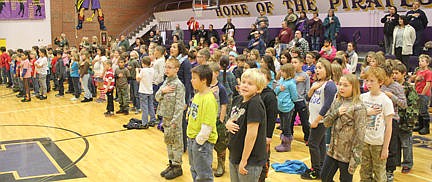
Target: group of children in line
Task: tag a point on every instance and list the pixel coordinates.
(224, 100)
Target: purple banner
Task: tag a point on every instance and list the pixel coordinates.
(22, 9)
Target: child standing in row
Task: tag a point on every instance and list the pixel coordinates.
(122, 74)
(247, 126)
(201, 130)
(300, 108)
(145, 92)
(408, 117)
(74, 74)
(171, 98)
(321, 96)
(347, 119)
(26, 75)
(109, 87)
(423, 79)
(286, 93)
(378, 127)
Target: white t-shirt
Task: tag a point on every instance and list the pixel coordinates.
(145, 84)
(42, 61)
(159, 68)
(375, 127)
(316, 102)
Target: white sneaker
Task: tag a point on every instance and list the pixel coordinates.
(74, 99)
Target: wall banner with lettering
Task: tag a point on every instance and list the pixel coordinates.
(22, 9)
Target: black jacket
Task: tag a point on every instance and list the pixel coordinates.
(268, 96)
(390, 25)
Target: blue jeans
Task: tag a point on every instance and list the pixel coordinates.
(315, 41)
(4, 74)
(253, 173)
(35, 85)
(331, 166)
(406, 143)
(134, 94)
(285, 122)
(85, 84)
(200, 160)
(302, 110)
(146, 104)
(423, 117)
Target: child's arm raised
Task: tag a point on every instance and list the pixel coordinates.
(250, 138)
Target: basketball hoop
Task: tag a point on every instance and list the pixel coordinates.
(198, 9)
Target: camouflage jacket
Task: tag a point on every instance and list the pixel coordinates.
(171, 105)
(408, 116)
(347, 133)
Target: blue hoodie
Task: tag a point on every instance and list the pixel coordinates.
(287, 97)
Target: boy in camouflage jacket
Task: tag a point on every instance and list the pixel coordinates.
(408, 117)
(171, 98)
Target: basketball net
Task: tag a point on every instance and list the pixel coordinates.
(198, 10)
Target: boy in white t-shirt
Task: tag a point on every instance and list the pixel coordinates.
(145, 92)
(378, 129)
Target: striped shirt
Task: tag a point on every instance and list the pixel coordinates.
(109, 76)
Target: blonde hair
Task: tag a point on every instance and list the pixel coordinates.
(174, 61)
(271, 50)
(425, 56)
(355, 83)
(256, 53)
(336, 72)
(377, 72)
(256, 77)
(134, 54)
(289, 69)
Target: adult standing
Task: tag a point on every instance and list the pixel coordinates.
(262, 18)
(193, 26)
(291, 19)
(300, 43)
(179, 51)
(228, 27)
(212, 33)
(158, 38)
(404, 36)
(62, 41)
(285, 36)
(332, 26)
(419, 21)
(257, 43)
(124, 42)
(302, 24)
(179, 32)
(315, 31)
(201, 33)
(390, 21)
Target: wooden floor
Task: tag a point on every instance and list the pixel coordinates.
(115, 154)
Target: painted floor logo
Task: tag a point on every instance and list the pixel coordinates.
(35, 160)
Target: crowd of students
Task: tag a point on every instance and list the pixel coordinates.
(211, 97)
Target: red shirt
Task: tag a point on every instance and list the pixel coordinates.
(6, 59)
(109, 76)
(425, 76)
(32, 64)
(285, 35)
(53, 63)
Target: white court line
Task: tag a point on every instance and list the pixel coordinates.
(38, 108)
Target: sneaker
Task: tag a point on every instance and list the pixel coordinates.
(151, 124)
(164, 172)
(108, 113)
(310, 174)
(406, 169)
(137, 111)
(424, 131)
(120, 112)
(126, 112)
(175, 172)
(390, 176)
(74, 99)
(26, 100)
